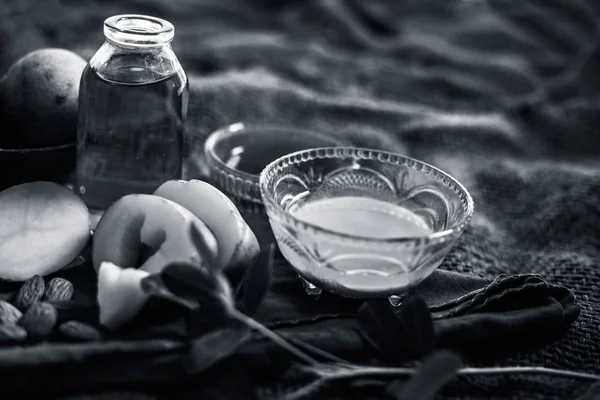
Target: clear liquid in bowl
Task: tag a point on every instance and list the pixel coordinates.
(363, 216)
(364, 272)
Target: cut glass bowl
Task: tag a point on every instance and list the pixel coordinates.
(53, 163)
(236, 154)
(362, 223)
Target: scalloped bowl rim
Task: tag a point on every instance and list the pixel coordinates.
(355, 152)
(235, 129)
(211, 155)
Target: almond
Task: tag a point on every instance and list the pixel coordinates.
(79, 331)
(58, 289)
(39, 320)
(9, 314)
(10, 333)
(31, 292)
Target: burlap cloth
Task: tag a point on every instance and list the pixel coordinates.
(502, 94)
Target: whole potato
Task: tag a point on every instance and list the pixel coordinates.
(39, 96)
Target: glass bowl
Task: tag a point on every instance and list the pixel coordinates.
(236, 154)
(53, 163)
(362, 223)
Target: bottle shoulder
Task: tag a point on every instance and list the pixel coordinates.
(136, 65)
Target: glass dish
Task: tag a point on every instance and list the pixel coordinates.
(362, 223)
(53, 163)
(236, 154)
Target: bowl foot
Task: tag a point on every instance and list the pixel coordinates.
(396, 299)
(310, 289)
(315, 292)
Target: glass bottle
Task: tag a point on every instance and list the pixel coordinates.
(133, 102)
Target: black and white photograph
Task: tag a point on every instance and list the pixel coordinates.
(300, 199)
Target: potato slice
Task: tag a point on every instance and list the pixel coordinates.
(43, 227)
(158, 223)
(120, 294)
(236, 240)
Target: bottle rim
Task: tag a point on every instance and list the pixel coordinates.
(138, 30)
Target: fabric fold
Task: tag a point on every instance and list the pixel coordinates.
(470, 313)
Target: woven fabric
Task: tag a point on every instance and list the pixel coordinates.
(504, 95)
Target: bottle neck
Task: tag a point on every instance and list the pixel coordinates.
(137, 50)
(133, 65)
(138, 31)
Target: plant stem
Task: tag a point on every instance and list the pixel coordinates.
(153, 284)
(252, 323)
(327, 373)
(529, 371)
(343, 373)
(305, 391)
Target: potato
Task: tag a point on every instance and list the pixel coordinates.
(164, 226)
(43, 227)
(120, 294)
(237, 242)
(39, 95)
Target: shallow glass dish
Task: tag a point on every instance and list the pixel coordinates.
(362, 223)
(236, 154)
(53, 163)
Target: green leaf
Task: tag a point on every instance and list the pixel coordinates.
(194, 283)
(215, 346)
(159, 318)
(376, 322)
(257, 281)
(209, 289)
(154, 285)
(198, 239)
(435, 372)
(417, 321)
(405, 334)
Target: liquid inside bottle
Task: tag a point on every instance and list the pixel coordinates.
(132, 107)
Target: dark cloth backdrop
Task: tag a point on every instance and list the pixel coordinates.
(502, 94)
